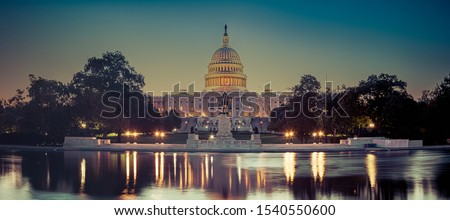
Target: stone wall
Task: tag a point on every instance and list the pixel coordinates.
(80, 141)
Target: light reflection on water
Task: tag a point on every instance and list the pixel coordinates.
(316, 175)
(289, 167)
(318, 165)
(371, 165)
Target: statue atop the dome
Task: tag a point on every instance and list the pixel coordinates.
(225, 36)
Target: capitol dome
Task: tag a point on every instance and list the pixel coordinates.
(225, 55)
(225, 71)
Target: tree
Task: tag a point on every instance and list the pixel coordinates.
(308, 84)
(303, 111)
(17, 101)
(108, 73)
(401, 118)
(48, 111)
(48, 93)
(437, 116)
(3, 124)
(11, 111)
(340, 123)
(375, 92)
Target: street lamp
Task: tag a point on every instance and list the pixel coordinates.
(371, 125)
(162, 135)
(156, 137)
(289, 136)
(260, 126)
(320, 136)
(314, 134)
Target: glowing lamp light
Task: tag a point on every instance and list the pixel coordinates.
(135, 134)
(371, 125)
(157, 133)
(83, 125)
(314, 134)
(211, 136)
(291, 133)
(162, 134)
(127, 133)
(320, 133)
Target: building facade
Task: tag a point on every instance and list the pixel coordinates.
(225, 75)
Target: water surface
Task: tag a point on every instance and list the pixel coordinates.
(132, 175)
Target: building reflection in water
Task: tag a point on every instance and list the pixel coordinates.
(131, 175)
(318, 165)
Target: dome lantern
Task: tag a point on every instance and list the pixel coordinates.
(226, 38)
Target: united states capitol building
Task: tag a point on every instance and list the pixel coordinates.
(225, 91)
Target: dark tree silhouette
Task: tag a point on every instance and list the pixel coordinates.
(108, 73)
(302, 111)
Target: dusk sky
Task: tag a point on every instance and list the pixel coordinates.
(278, 41)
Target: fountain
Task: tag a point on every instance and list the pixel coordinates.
(224, 137)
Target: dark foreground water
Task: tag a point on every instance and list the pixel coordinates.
(131, 175)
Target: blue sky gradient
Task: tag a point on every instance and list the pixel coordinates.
(278, 41)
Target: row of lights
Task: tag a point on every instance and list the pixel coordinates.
(290, 136)
(160, 134)
(129, 133)
(318, 133)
